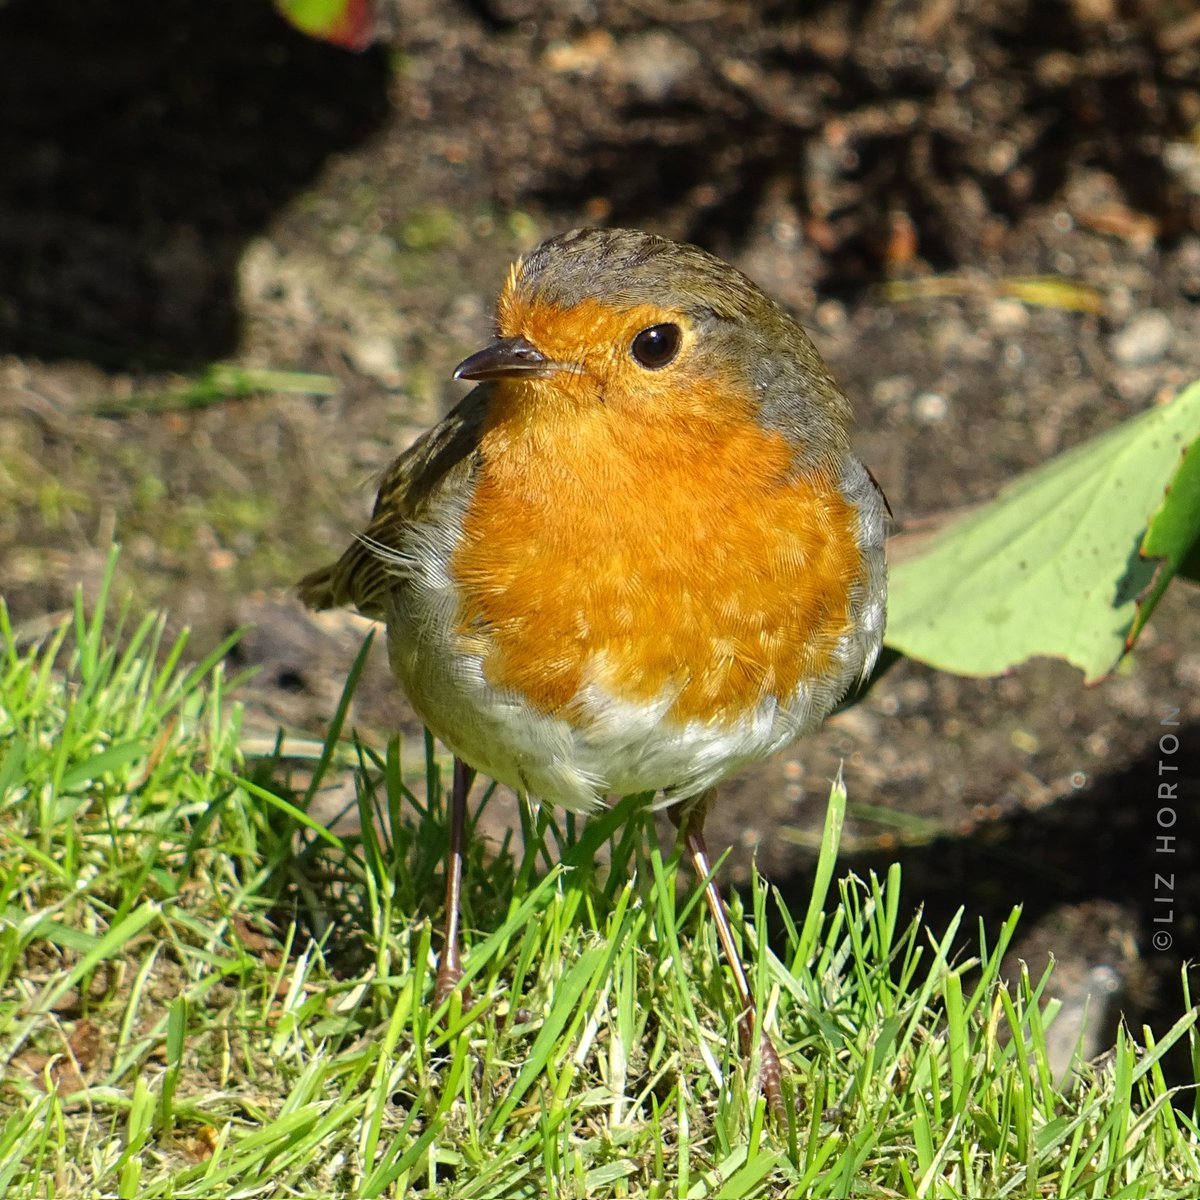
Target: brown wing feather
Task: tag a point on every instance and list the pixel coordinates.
(444, 457)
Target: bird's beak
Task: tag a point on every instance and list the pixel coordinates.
(507, 358)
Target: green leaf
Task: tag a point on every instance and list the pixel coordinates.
(1054, 565)
(1173, 537)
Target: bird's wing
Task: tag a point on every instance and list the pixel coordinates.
(437, 464)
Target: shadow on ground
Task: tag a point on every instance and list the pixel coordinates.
(144, 142)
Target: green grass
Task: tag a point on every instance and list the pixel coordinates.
(205, 993)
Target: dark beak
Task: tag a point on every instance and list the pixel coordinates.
(507, 358)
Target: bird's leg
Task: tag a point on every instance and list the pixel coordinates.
(450, 971)
(689, 820)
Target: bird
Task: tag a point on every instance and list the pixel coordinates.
(637, 557)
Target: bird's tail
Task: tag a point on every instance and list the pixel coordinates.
(319, 590)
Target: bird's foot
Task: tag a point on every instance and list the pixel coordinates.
(448, 981)
(770, 1072)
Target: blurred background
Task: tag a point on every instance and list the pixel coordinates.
(237, 266)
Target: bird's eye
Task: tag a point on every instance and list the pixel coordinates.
(656, 346)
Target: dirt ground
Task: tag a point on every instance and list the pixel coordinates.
(186, 184)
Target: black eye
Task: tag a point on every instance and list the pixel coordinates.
(656, 346)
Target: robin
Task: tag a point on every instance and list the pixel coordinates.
(637, 557)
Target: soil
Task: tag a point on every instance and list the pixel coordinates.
(194, 184)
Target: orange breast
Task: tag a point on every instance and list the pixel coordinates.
(651, 558)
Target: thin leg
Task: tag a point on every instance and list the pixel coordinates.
(689, 819)
(450, 971)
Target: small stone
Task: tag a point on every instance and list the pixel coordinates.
(892, 390)
(582, 57)
(375, 355)
(654, 63)
(1144, 340)
(1008, 315)
(831, 315)
(1187, 670)
(930, 408)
